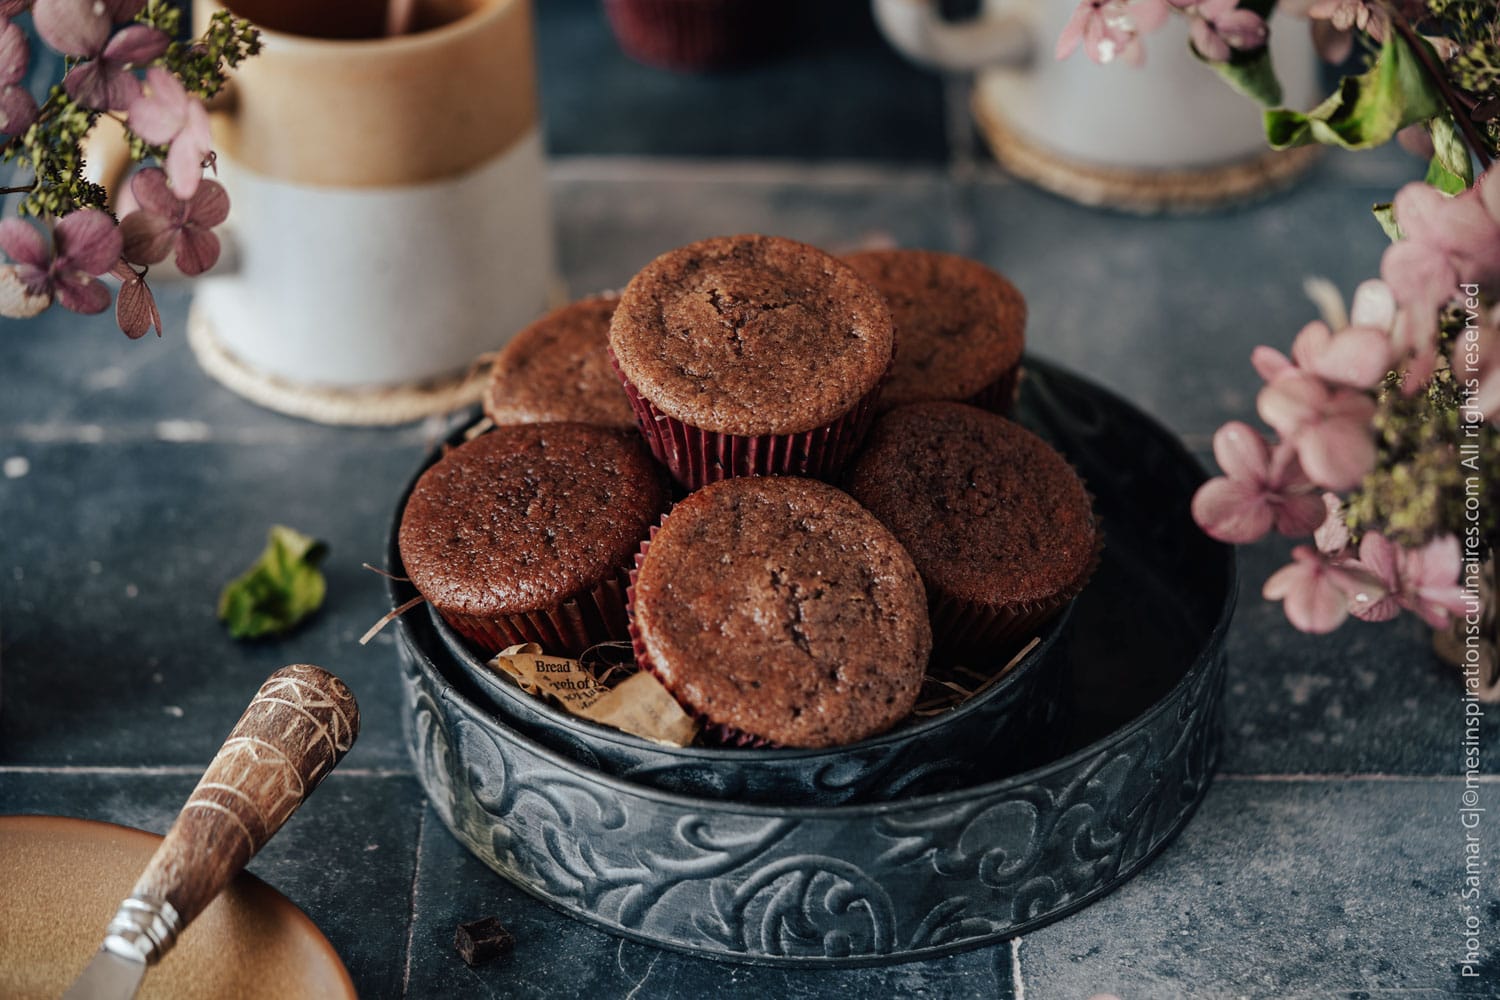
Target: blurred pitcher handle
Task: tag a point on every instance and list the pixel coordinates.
(914, 29)
(106, 161)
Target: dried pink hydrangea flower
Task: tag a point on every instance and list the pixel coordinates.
(1259, 489)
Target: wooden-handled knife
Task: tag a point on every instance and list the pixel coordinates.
(299, 725)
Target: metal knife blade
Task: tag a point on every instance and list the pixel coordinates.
(108, 976)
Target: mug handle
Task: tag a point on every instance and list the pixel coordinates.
(914, 29)
(106, 156)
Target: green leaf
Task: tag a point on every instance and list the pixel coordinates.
(1444, 180)
(279, 590)
(1385, 214)
(1366, 110)
(1251, 74)
(1451, 155)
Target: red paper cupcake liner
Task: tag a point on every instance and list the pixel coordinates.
(695, 34)
(1000, 395)
(711, 732)
(961, 626)
(697, 457)
(567, 630)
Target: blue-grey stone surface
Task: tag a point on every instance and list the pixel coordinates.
(1325, 861)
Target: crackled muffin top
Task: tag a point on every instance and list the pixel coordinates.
(557, 369)
(528, 516)
(960, 325)
(779, 607)
(989, 511)
(751, 335)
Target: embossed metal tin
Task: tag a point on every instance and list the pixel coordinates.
(915, 877)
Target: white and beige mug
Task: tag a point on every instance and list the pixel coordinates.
(1074, 116)
(389, 218)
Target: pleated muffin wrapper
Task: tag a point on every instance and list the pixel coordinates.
(962, 628)
(697, 457)
(596, 616)
(711, 732)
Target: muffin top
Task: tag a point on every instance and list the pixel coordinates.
(989, 511)
(960, 325)
(778, 606)
(525, 517)
(751, 335)
(557, 369)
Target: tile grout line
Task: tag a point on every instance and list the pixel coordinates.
(411, 909)
(1016, 979)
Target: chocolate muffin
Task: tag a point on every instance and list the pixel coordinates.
(747, 355)
(961, 327)
(998, 523)
(528, 534)
(781, 612)
(557, 369)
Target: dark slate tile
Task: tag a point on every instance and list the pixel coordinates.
(1287, 889)
(1166, 311)
(611, 223)
(110, 566)
(835, 91)
(559, 958)
(1367, 699)
(346, 858)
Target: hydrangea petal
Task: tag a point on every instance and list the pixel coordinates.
(135, 308)
(1359, 357)
(147, 237)
(1298, 514)
(1241, 452)
(87, 241)
(72, 27)
(15, 53)
(17, 110)
(152, 193)
(210, 206)
(24, 243)
(102, 85)
(82, 293)
(1232, 511)
(1374, 306)
(1337, 454)
(1269, 363)
(1291, 401)
(161, 110)
(1241, 29)
(197, 250)
(136, 45)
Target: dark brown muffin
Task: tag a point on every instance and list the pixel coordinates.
(998, 523)
(557, 369)
(779, 609)
(961, 327)
(528, 533)
(751, 355)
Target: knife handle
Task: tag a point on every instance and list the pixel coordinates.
(299, 725)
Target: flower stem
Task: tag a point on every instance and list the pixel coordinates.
(1440, 79)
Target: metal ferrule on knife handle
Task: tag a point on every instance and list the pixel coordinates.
(300, 724)
(143, 930)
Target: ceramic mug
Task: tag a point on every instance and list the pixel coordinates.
(389, 217)
(1172, 113)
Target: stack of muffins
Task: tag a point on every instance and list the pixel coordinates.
(785, 477)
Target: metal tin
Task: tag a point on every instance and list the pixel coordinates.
(915, 877)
